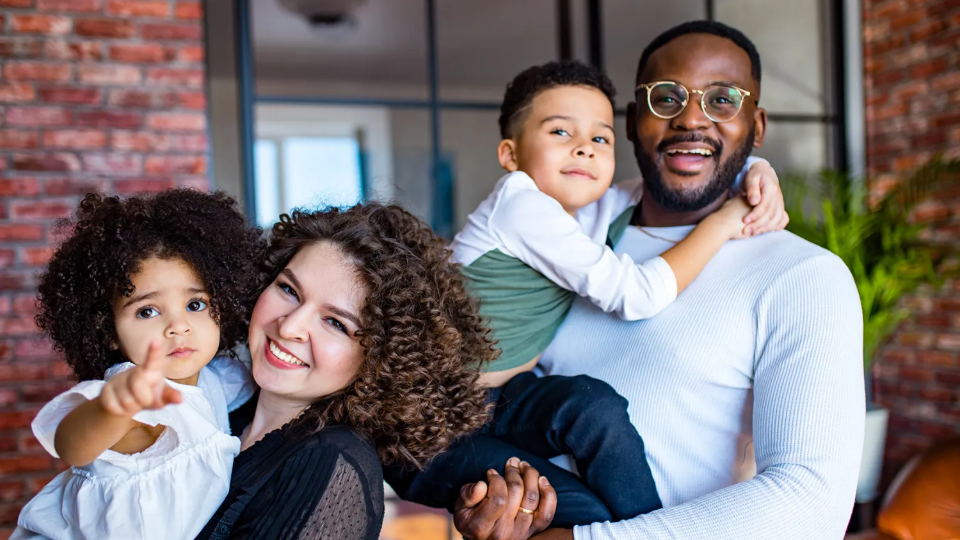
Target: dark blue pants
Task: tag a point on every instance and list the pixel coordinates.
(537, 418)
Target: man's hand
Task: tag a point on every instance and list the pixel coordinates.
(139, 388)
(492, 509)
(762, 189)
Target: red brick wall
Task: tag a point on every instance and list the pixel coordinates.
(95, 95)
(912, 64)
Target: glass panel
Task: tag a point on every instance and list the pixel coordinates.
(792, 55)
(629, 26)
(795, 147)
(321, 171)
(483, 45)
(267, 182)
(469, 141)
(391, 148)
(377, 51)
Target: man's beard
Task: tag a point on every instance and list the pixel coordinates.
(691, 200)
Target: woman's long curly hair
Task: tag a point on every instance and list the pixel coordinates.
(424, 341)
(110, 238)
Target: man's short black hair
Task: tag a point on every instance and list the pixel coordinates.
(703, 27)
(533, 80)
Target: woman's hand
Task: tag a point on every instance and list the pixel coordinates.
(762, 189)
(514, 506)
(139, 388)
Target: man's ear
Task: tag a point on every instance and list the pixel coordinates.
(632, 121)
(507, 155)
(759, 127)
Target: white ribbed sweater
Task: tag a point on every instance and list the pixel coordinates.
(766, 342)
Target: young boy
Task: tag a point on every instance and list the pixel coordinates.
(527, 252)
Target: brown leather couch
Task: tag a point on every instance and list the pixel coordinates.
(923, 502)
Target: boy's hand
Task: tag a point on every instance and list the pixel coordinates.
(139, 388)
(729, 217)
(762, 189)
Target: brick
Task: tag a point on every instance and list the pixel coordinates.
(7, 258)
(938, 394)
(70, 5)
(104, 28)
(172, 32)
(947, 120)
(934, 320)
(908, 373)
(142, 185)
(193, 100)
(147, 141)
(948, 378)
(6, 350)
(200, 183)
(36, 256)
(167, 165)
(42, 210)
(137, 53)
(887, 77)
(40, 24)
(24, 304)
(19, 187)
(35, 349)
(193, 55)
(950, 342)
(17, 93)
(937, 357)
(62, 187)
(19, 47)
(935, 139)
(109, 74)
(42, 393)
(11, 491)
(928, 30)
(20, 140)
(112, 164)
(927, 69)
(939, 431)
(11, 282)
(175, 77)
(16, 3)
(139, 8)
(8, 397)
(22, 464)
(907, 19)
(46, 162)
(20, 232)
(36, 71)
(24, 371)
(177, 121)
(5, 303)
(71, 96)
(189, 10)
(58, 49)
(18, 326)
(142, 99)
(78, 139)
(110, 119)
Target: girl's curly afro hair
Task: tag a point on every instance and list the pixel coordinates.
(424, 341)
(109, 239)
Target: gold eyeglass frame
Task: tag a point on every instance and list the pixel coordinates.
(647, 87)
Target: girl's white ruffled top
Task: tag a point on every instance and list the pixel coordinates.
(169, 490)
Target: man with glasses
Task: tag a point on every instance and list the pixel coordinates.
(761, 355)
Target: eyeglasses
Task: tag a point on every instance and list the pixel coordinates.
(667, 100)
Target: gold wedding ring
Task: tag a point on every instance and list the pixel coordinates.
(525, 511)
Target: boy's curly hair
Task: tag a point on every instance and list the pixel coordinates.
(530, 82)
(110, 237)
(424, 341)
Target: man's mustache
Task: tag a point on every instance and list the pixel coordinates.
(691, 137)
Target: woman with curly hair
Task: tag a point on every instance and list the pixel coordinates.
(364, 344)
(140, 299)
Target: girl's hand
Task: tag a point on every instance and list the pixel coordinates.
(762, 189)
(140, 387)
(492, 509)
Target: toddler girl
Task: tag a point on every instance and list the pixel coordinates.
(140, 299)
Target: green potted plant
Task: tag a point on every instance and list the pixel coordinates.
(884, 249)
